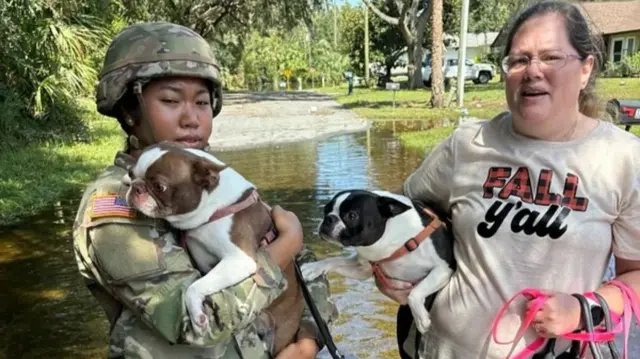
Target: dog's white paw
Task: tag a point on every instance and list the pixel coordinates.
(311, 271)
(199, 320)
(420, 314)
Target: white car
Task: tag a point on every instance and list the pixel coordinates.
(478, 73)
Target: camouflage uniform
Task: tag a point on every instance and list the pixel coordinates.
(135, 266)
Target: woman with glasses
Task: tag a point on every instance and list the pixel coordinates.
(539, 196)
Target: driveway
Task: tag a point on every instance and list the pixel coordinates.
(250, 119)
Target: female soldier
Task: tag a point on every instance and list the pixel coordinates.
(161, 81)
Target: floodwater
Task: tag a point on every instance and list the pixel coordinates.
(46, 312)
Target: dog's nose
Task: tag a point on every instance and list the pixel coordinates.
(138, 188)
(330, 220)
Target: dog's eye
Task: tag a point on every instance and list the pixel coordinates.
(160, 187)
(352, 216)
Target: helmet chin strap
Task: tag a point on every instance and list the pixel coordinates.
(144, 116)
(216, 100)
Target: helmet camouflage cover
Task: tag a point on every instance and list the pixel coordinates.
(151, 50)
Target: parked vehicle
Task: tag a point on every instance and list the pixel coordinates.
(628, 111)
(480, 73)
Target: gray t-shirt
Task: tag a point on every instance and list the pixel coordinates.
(526, 214)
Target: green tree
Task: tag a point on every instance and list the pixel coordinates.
(50, 56)
(386, 44)
(411, 20)
(270, 58)
(328, 63)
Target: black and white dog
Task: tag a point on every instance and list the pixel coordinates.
(396, 239)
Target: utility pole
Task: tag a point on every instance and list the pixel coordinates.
(335, 25)
(462, 50)
(311, 70)
(366, 44)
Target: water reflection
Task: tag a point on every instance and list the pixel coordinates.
(366, 324)
(46, 312)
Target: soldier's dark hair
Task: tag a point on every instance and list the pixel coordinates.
(580, 37)
(127, 106)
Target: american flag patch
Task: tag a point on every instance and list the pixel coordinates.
(111, 205)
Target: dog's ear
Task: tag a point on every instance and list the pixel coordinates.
(391, 207)
(206, 174)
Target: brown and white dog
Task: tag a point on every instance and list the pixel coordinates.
(225, 224)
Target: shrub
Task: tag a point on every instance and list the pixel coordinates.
(49, 62)
(632, 65)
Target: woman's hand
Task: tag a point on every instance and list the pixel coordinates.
(560, 314)
(289, 241)
(399, 295)
(305, 348)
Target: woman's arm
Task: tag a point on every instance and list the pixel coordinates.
(561, 313)
(627, 271)
(149, 274)
(289, 241)
(310, 342)
(626, 235)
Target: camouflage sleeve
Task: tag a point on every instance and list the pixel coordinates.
(321, 295)
(148, 273)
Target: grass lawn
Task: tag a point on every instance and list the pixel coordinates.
(424, 140)
(36, 176)
(481, 101)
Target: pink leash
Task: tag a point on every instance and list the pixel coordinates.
(623, 323)
(538, 298)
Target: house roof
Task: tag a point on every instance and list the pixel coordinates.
(608, 17)
(475, 40)
(612, 17)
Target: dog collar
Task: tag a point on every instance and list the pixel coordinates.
(408, 247)
(252, 198)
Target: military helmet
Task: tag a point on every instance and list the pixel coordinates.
(145, 51)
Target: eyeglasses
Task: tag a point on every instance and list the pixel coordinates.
(551, 60)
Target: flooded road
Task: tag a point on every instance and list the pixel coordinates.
(46, 312)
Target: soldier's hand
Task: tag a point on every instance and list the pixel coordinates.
(289, 241)
(305, 348)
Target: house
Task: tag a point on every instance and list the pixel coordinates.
(478, 45)
(618, 22)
